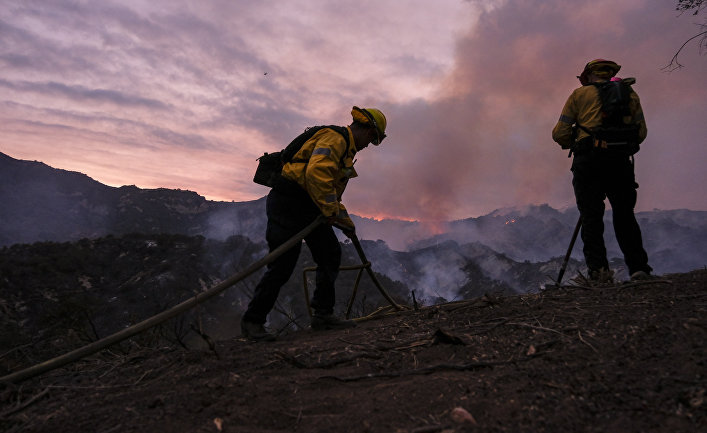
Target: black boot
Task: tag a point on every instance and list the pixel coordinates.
(321, 322)
(255, 332)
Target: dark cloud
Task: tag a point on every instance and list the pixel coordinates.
(107, 130)
(83, 94)
(171, 138)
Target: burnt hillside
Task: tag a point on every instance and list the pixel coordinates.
(41, 203)
(56, 297)
(624, 358)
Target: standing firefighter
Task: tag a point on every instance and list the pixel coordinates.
(311, 184)
(602, 124)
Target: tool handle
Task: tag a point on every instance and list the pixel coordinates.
(569, 250)
(364, 260)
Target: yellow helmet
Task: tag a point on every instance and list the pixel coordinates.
(372, 116)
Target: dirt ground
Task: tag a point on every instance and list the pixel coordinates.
(626, 358)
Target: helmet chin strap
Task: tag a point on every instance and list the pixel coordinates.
(375, 126)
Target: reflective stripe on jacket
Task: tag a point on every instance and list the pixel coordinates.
(326, 168)
(584, 107)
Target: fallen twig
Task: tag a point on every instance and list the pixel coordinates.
(431, 369)
(328, 363)
(579, 334)
(21, 406)
(430, 428)
(15, 349)
(495, 325)
(124, 385)
(206, 338)
(643, 283)
(540, 328)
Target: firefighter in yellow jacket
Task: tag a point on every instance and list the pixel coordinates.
(311, 185)
(603, 166)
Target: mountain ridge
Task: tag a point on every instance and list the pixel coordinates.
(508, 352)
(42, 203)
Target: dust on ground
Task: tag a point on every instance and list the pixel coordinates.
(626, 358)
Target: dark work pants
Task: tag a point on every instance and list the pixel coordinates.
(596, 177)
(290, 209)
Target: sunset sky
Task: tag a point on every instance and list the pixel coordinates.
(182, 94)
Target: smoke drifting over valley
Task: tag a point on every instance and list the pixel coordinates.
(515, 249)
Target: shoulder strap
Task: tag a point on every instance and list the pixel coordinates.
(289, 152)
(295, 145)
(345, 133)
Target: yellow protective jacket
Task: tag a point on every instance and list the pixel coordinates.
(326, 169)
(584, 107)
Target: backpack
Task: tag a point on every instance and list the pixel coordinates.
(270, 164)
(617, 133)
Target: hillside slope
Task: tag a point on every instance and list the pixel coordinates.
(41, 203)
(626, 358)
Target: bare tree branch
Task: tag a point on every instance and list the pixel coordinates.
(674, 63)
(683, 6)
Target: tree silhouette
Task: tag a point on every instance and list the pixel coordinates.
(684, 6)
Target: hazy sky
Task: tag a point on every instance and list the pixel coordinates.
(182, 94)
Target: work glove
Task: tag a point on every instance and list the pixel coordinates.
(345, 225)
(349, 233)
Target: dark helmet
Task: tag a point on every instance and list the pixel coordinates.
(599, 67)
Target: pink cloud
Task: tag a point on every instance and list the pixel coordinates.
(485, 143)
(165, 96)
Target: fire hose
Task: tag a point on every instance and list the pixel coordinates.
(146, 324)
(365, 264)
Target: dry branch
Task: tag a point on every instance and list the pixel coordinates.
(327, 363)
(21, 406)
(431, 369)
